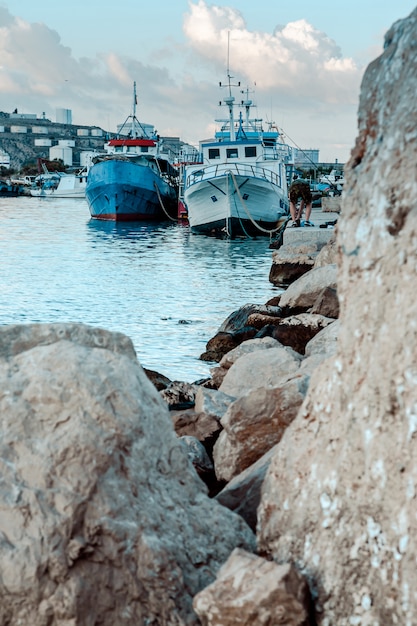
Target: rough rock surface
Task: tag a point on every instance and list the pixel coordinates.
(304, 292)
(293, 260)
(254, 423)
(251, 345)
(262, 368)
(340, 498)
(243, 493)
(102, 518)
(328, 254)
(250, 591)
(297, 330)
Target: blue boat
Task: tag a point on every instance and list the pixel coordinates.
(134, 180)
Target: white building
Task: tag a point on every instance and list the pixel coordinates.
(4, 159)
(63, 116)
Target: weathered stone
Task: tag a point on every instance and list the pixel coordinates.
(326, 303)
(293, 260)
(236, 329)
(103, 519)
(203, 427)
(250, 591)
(197, 454)
(223, 342)
(262, 368)
(179, 395)
(251, 345)
(212, 402)
(296, 331)
(239, 319)
(325, 342)
(243, 493)
(339, 499)
(158, 380)
(329, 254)
(258, 320)
(304, 292)
(254, 423)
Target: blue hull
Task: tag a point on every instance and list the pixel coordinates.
(122, 190)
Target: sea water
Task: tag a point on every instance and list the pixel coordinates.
(166, 288)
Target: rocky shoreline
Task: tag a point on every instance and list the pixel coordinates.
(283, 490)
(230, 420)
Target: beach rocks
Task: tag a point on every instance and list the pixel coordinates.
(103, 517)
(250, 591)
(235, 329)
(339, 498)
(254, 423)
(292, 260)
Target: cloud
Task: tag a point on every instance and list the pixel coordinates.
(297, 58)
(298, 70)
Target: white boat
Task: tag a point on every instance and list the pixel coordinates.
(60, 185)
(332, 183)
(239, 188)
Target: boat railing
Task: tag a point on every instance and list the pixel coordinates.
(239, 169)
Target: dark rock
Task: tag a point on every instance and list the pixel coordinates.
(179, 395)
(158, 380)
(296, 331)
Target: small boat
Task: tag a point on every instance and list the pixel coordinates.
(9, 190)
(60, 185)
(331, 183)
(135, 180)
(239, 188)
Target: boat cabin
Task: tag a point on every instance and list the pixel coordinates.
(129, 147)
(249, 151)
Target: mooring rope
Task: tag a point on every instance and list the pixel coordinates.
(264, 230)
(173, 219)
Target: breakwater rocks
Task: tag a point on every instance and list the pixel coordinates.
(286, 491)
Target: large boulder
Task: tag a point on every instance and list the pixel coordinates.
(340, 498)
(254, 423)
(303, 293)
(293, 260)
(103, 518)
(261, 368)
(250, 591)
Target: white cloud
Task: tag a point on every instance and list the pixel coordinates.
(298, 71)
(296, 58)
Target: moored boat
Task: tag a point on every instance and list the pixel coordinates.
(134, 180)
(60, 185)
(240, 186)
(9, 190)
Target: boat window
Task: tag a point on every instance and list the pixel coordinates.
(231, 153)
(144, 149)
(250, 151)
(214, 153)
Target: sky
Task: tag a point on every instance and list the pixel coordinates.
(302, 62)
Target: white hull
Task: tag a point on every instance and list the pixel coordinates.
(235, 203)
(69, 186)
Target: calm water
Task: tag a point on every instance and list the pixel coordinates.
(167, 289)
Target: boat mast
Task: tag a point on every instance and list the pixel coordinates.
(135, 101)
(229, 100)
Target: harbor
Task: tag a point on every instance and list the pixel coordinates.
(164, 287)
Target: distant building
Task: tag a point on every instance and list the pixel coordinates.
(63, 116)
(22, 116)
(4, 159)
(306, 157)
